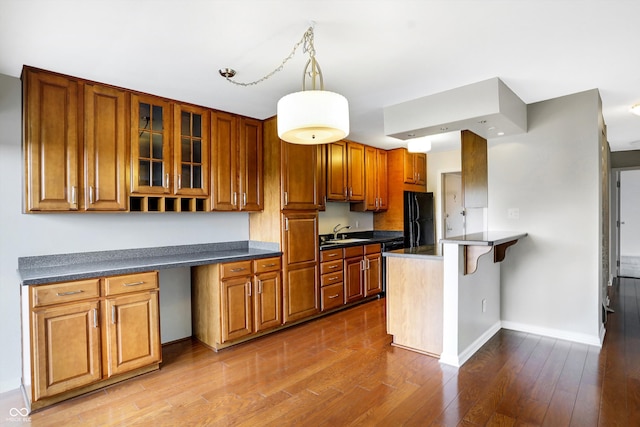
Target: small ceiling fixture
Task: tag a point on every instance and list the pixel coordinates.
(419, 145)
(635, 109)
(313, 115)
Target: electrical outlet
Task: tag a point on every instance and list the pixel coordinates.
(484, 305)
(513, 213)
(357, 224)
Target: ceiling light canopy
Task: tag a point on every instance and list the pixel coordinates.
(313, 115)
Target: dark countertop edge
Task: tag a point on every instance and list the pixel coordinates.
(421, 252)
(369, 241)
(491, 238)
(110, 267)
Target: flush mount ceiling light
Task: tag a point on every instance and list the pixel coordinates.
(419, 145)
(635, 109)
(313, 115)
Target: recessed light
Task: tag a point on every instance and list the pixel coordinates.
(500, 133)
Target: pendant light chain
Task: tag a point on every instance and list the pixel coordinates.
(306, 40)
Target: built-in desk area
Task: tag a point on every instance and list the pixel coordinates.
(444, 300)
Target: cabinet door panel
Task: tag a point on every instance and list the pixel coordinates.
(235, 303)
(191, 150)
(224, 193)
(132, 332)
(353, 280)
(150, 145)
(66, 350)
(300, 238)
(51, 142)
(300, 176)
(355, 171)
(267, 297)
(301, 293)
(105, 144)
(337, 171)
(381, 170)
(373, 275)
(251, 165)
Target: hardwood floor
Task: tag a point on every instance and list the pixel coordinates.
(341, 370)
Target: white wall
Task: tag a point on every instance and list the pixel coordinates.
(550, 279)
(41, 234)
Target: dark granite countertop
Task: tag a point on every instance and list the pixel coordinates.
(64, 267)
(427, 251)
(486, 238)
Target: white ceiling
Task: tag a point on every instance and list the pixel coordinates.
(375, 52)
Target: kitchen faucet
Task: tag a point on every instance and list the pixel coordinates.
(337, 228)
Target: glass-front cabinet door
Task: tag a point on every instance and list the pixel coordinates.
(191, 150)
(150, 145)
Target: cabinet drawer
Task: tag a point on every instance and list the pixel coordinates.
(266, 264)
(235, 269)
(59, 293)
(373, 248)
(331, 278)
(332, 296)
(331, 266)
(330, 254)
(353, 251)
(130, 283)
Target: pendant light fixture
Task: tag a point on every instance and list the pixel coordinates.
(313, 115)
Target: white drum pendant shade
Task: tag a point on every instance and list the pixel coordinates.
(313, 117)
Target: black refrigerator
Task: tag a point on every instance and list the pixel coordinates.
(418, 219)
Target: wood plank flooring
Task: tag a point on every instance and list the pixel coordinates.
(341, 370)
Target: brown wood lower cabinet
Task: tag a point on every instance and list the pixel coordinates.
(234, 301)
(87, 334)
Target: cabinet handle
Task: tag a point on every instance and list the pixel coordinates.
(95, 317)
(248, 285)
(362, 264)
(334, 296)
(332, 267)
(73, 195)
(235, 270)
(259, 286)
(244, 199)
(166, 180)
(91, 194)
(64, 294)
(286, 224)
(286, 198)
(334, 278)
(350, 192)
(235, 198)
(113, 314)
(133, 284)
(269, 265)
(346, 192)
(179, 182)
(332, 255)
(368, 264)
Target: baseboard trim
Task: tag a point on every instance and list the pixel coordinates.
(460, 359)
(594, 340)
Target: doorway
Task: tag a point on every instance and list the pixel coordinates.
(453, 223)
(629, 220)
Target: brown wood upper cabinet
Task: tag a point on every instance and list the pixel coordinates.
(415, 168)
(236, 163)
(345, 171)
(191, 144)
(301, 176)
(73, 165)
(375, 172)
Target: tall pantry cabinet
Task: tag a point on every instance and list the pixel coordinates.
(293, 196)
